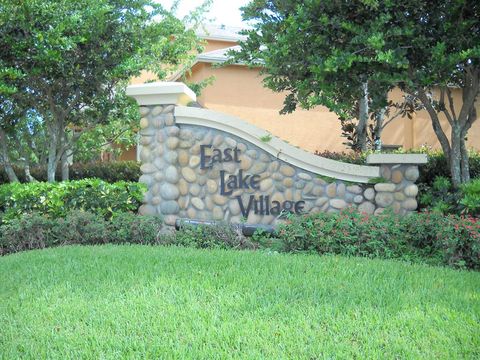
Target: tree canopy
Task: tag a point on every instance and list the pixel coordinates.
(70, 60)
(322, 52)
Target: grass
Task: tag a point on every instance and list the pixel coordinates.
(114, 302)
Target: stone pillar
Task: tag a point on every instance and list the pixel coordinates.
(400, 171)
(159, 140)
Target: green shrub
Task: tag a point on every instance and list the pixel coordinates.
(57, 199)
(471, 197)
(348, 233)
(82, 227)
(31, 231)
(37, 231)
(348, 157)
(109, 171)
(440, 197)
(459, 238)
(209, 236)
(428, 237)
(443, 198)
(131, 228)
(437, 166)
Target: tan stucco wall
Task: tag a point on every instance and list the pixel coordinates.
(211, 45)
(238, 90)
(423, 132)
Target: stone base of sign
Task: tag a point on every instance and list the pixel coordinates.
(196, 170)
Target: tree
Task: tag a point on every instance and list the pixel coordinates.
(324, 52)
(8, 113)
(292, 42)
(75, 57)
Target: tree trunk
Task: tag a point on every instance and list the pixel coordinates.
(12, 177)
(455, 158)
(464, 165)
(28, 176)
(65, 168)
(64, 155)
(379, 119)
(52, 153)
(363, 119)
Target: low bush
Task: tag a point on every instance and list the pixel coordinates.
(437, 166)
(428, 237)
(57, 199)
(220, 236)
(37, 231)
(443, 198)
(31, 231)
(109, 171)
(134, 229)
(470, 200)
(351, 157)
(419, 237)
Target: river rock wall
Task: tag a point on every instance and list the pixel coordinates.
(198, 172)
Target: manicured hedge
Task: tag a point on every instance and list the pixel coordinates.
(57, 199)
(427, 237)
(420, 237)
(111, 172)
(35, 231)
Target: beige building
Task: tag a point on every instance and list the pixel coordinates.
(237, 90)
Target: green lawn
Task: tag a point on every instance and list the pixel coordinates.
(114, 302)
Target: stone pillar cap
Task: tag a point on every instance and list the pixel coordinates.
(413, 159)
(161, 93)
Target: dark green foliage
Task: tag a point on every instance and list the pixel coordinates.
(36, 231)
(437, 166)
(330, 52)
(31, 231)
(109, 171)
(74, 60)
(440, 196)
(217, 236)
(81, 227)
(57, 199)
(349, 157)
(428, 237)
(134, 229)
(470, 200)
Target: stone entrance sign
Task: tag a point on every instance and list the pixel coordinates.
(204, 165)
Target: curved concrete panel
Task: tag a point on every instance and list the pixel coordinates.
(275, 146)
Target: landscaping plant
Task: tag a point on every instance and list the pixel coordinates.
(428, 237)
(57, 199)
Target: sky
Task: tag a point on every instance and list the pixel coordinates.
(224, 12)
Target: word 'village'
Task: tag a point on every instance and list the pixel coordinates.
(260, 205)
